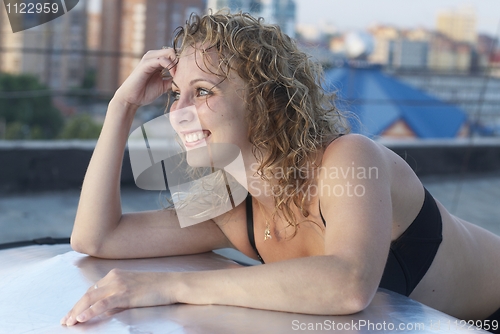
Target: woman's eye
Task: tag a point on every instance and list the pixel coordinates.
(174, 95)
(203, 92)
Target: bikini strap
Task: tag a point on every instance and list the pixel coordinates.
(251, 236)
(321, 214)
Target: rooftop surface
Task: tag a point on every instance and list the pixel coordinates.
(34, 215)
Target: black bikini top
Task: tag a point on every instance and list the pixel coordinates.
(251, 236)
(410, 255)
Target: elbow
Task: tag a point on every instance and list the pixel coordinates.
(351, 303)
(348, 302)
(84, 246)
(360, 294)
(358, 301)
(354, 295)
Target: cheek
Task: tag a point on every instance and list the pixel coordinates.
(171, 121)
(224, 110)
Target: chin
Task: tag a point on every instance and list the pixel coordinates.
(198, 157)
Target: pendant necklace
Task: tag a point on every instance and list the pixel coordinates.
(267, 231)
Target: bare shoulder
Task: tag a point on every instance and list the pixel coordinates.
(355, 150)
(359, 151)
(355, 172)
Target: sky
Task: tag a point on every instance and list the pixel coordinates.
(358, 14)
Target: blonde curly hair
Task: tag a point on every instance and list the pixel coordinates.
(290, 116)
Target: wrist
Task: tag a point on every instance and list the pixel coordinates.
(120, 112)
(123, 105)
(177, 287)
(189, 288)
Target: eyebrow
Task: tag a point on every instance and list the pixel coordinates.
(198, 80)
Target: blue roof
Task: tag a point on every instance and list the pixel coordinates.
(379, 101)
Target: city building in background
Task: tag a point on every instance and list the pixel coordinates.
(409, 54)
(423, 50)
(397, 48)
(280, 12)
(383, 37)
(453, 47)
(53, 52)
(458, 24)
(11, 46)
(94, 28)
(449, 55)
(129, 28)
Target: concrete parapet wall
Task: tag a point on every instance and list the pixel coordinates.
(55, 165)
(48, 165)
(446, 157)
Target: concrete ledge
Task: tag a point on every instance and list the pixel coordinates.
(48, 165)
(445, 157)
(56, 165)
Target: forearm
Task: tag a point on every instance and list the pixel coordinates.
(313, 285)
(99, 209)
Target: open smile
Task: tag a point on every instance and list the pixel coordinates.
(196, 137)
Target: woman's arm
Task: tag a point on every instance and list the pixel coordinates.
(325, 285)
(99, 209)
(313, 285)
(100, 229)
(342, 281)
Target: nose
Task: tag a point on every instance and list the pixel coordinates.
(183, 116)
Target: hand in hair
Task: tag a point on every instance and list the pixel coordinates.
(148, 80)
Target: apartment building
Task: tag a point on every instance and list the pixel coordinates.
(458, 24)
(53, 51)
(129, 28)
(280, 12)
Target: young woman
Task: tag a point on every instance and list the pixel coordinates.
(333, 216)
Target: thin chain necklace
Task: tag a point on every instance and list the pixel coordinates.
(267, 231)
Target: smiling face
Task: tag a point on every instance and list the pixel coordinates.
(208, 109)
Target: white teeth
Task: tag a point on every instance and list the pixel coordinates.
(195, 136)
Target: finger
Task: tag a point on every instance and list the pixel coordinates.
(64, 319)
(167, 57)
(163, 65)
(102, 306)
(163, 53)
(168, 71)
(88, 299)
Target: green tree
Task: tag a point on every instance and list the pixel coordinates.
(81, 127)
(38, 118)
(89, 80)
(16, 130)
(86, 92)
